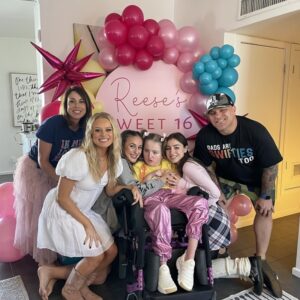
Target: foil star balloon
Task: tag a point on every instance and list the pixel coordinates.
(68, 72)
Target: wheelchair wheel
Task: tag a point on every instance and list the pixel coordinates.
(201, 269)
(151, 271)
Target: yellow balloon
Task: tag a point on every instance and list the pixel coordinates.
(97, 106)
(93, 85)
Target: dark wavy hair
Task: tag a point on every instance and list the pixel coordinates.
(83, 94)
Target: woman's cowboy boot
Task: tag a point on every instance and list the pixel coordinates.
(73, 286)
(87, 294)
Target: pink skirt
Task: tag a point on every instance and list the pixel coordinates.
(31, 186)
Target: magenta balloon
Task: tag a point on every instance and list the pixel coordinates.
(138, 36)
(116, 32)
(143, 60)
(233, 233)
(7, 199)
(170, 55)
(188, 84)
(168, 33)
(132, 15)
(125, 54)
(188, 39)
(49, 110)
(152, 26)
(103, 42)
(107, 59)
(197, 103)
(186, 61)
(241, 204)
(8, 253)
(112, 16)
(155, 46)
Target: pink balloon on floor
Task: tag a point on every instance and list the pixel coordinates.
(241, 204)
(232, 215)
(233, 233)
(49, 110)
(8, 253)
(7, 199)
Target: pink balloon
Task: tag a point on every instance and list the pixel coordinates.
(188, 39)
(170, 55)
(107, 59)
(125, 54)
(168, 33)
(49, 110)
(233, 233)
(241, 204)
(197, 103)
(186, 61)
(7, 199)
(232, 216)
(138, 36)
(132, 15)
(116, 32)
(143, 60)
(188, 84)
(8, 253)
(152, 26)
(155, 46)
(103, 42)
(112, 16)
(198, 53)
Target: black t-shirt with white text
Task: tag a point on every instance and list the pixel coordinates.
(240, 156)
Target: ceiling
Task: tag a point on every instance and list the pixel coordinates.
(17, 20)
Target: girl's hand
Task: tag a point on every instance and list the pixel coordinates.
(91, 236)
(137, 196)
(173, 179)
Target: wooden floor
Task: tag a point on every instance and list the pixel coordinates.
(281, 256)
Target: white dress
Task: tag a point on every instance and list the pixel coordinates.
(57, 229)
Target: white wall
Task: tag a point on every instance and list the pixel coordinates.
(17, 55)
(57, 18)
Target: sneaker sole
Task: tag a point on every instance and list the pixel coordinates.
(167, 291)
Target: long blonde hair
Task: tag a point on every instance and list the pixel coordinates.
(113, 152)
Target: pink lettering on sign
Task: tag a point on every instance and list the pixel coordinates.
(150, 100)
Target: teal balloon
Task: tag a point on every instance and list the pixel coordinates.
(215, 52)
(216, 73)
(234, 61)
(198, 69)
(222, 63)
(205, 78)
(211, 66)
(210, 88)
(229, 77)
(226, 51)
(205, 58)
(227, 91)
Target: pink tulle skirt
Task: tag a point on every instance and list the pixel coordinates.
(31, 186)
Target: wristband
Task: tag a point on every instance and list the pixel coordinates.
(265, 196)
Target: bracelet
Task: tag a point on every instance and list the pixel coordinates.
(265, 196)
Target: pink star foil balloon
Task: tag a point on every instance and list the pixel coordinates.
(68, 72)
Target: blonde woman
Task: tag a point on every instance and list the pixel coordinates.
(67, 224)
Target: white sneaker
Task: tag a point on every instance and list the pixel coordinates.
(166, 285)
(185, 272)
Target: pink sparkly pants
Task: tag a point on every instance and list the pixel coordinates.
(157, 214)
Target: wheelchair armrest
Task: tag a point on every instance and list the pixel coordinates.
(197, 191)
(122, 198)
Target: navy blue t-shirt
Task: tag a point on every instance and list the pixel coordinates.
(56, 131)
(240, 156)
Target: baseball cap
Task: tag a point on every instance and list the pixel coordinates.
(217, 101)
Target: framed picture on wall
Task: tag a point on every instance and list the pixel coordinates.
(26, 103)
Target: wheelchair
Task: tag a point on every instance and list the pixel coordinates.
(143, 281)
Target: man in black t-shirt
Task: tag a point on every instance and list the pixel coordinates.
(241, 156)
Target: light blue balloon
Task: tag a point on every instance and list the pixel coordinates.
(215, 52)
(234, 61)
(211, 66)
(229, 77)
(216, 73)
(222, 63)
(226, 51)
(227, 91)
(205, 58)
(198, 69)
(205, 78)
(210, 88)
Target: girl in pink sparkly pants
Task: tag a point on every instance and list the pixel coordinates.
(157, 214)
